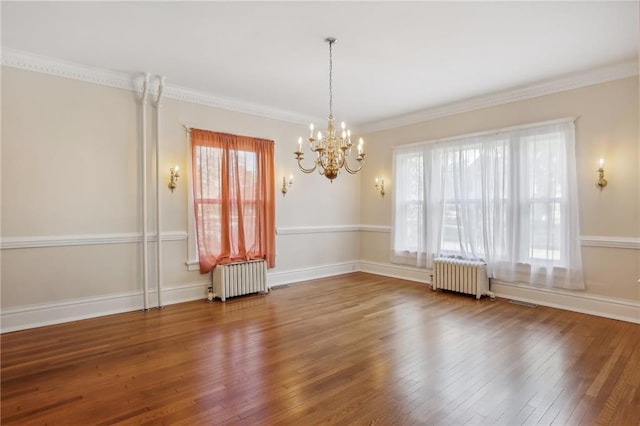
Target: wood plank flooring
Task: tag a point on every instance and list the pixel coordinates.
(354, 349)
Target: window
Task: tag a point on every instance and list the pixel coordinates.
(409, 207)
(233, 198)
(455, 229)
(507, 197)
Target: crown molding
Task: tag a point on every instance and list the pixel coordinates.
(133, 82)
(200, 98)
(547, 87)
(58, 68)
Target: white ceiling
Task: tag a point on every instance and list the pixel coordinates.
(391, 58)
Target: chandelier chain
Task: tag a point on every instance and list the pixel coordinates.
(331, 78)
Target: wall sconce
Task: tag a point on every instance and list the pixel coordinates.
(601, 182)
(286, 183)
(173, 180)
(380, 186)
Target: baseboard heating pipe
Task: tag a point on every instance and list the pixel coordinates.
(158, 207)
(145, 260)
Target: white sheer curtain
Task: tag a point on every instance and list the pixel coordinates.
(409, 233)
(509, 198)
(544, 210)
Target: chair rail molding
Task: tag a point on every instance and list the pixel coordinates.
(328, 229)
(610, 242)
(9, 243)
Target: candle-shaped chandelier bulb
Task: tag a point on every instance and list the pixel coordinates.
(331, 150)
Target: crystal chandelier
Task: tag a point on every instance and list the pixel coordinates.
(331, 150)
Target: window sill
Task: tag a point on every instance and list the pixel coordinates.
(193, 265)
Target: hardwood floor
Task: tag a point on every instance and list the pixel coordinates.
(353, 349)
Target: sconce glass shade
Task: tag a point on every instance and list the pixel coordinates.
(380, 186)
(173, 179)
(601, 182)
(286, 183)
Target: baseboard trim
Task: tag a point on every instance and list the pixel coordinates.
(602, 306)
(290, 276)
(40, 315)
(404, 272)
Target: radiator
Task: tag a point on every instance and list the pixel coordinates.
(463, 276)
(237, 279)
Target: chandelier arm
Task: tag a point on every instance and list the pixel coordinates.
(341, 158)
(304, 169)
(356, 170)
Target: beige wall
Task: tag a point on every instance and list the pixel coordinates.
(71, 170)
(607, 127)
(71, 167)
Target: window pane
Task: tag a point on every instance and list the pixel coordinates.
(462, 219)
(450, 240)
(208, 159)
(211, 220)
(545, 231)
(545, 154)
(412, 223)
(408, 201)
(247, 169)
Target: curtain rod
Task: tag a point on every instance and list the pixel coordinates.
(188, 130)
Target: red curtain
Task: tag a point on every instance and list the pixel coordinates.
(233, 192)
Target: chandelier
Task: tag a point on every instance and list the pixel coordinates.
(331, 150)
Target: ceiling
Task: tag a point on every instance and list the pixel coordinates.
(391, 58)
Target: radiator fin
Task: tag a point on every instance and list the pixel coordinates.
(462, 276)
(237, 279)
